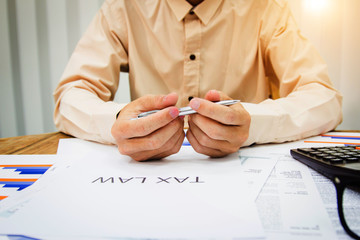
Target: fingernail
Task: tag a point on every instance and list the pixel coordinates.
(174, 112)
(164, 98)
(167, 96)
(214, 92)
(195, 104)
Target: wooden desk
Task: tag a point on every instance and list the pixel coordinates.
(46, 143)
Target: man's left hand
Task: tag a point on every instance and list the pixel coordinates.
(217, 130)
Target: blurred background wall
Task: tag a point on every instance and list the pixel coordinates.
(37, 38)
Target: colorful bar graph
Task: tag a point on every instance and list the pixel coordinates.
(19, 237)
(341, 136)
(21, 170)
(28, 169)
(16, 183)
(337, 139)
(345, 143)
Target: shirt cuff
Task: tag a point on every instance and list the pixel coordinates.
(262, 120)
(83, 115)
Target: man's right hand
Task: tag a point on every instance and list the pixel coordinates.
(152, 137)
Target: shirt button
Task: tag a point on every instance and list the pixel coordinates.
(192, 57)
(191, 12)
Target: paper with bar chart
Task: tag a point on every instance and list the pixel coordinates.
(337, 138)
(110, 195)
(18, 172)
(187, 195)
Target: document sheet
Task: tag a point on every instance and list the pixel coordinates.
(298, 202)
(96, 192)
(18, 172)
(92, 191)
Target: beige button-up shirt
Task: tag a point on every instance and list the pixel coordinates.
(251, 50)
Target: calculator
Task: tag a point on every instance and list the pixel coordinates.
(342, 165)
(336, 161)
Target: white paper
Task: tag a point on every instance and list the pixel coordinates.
(290, 206)
(188, 195)
(7, 173)
(327, 192)
(294, 203)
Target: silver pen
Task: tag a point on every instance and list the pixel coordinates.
(187, 110)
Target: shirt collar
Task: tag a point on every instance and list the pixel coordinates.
(205, 10)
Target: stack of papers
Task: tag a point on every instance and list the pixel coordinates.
(92, 191)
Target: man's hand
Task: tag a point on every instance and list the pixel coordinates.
(217, 130)
(152, 137)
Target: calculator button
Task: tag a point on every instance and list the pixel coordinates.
(329, 158)
(322, 149)
(329, 151)
(314, 153)
(349, 148)
(306, 150)
(350, 153)
(337, 154)
(321, 155)
(352, 159)
(337, 160)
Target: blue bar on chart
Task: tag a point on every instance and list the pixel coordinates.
(17, 180)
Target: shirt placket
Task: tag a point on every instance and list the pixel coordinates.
(191, 84)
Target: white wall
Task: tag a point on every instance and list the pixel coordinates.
(334, 29)
(38, 36)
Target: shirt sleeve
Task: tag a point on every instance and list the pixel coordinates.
(84, 97)
(306, 103)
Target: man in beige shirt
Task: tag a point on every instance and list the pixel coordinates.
(194, 52)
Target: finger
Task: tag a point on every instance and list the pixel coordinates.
(172, 149)
(144, 126)
(172, 146)
(213, 128)
(160, 153)
(235, 135)
(218, 142)
(202, 149)
(152, 141)
(152, 102)
(223, 114)
(227, 139)
(215, 96)
(126, 128)
(147, 103)
(149, 124)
